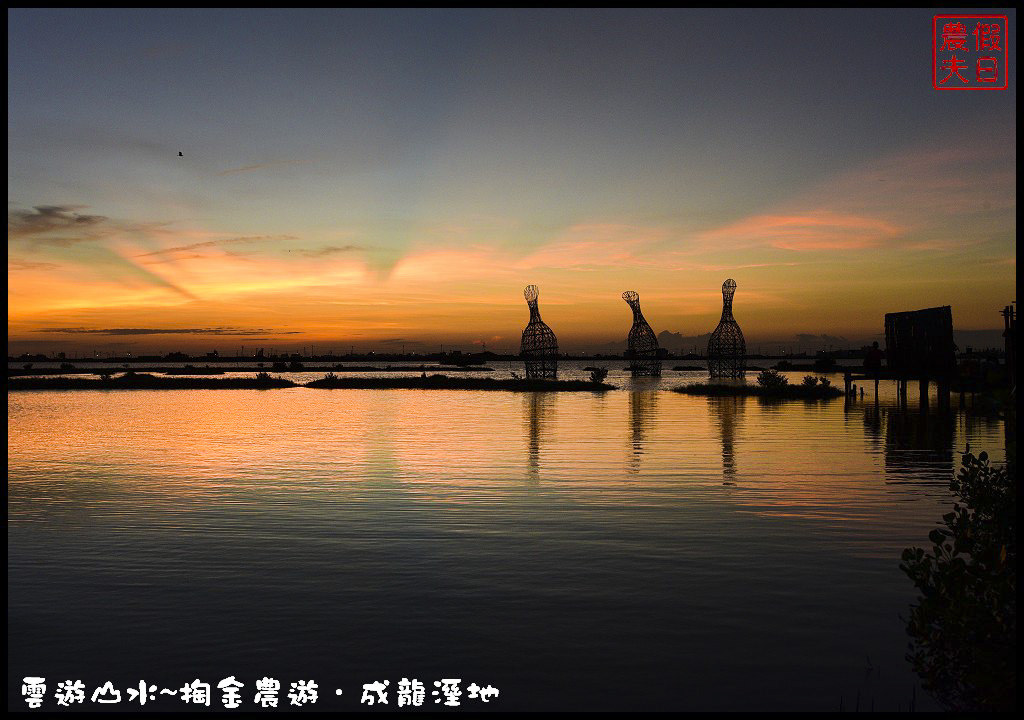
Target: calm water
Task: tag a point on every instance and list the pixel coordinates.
(635, 549)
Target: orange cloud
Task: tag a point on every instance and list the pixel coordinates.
(924, 199)
(596, 245)
(816, 230)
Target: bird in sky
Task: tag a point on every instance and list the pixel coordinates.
(179, 154)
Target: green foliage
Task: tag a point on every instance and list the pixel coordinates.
(598, 375)
(963, 628)
(772, 380)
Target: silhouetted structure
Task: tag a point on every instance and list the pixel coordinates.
(539, 347)
(643, 343)
(1010, 338)
(726, 348)
(919, 344)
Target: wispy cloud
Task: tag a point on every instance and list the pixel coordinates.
(44, 220)
(814, 230)
(260, 166)
(244, 332)
(62, 227)
(924, 199)
(218, 243)
(598, 245)
(580, 247)
(329, 250)
(16, 264)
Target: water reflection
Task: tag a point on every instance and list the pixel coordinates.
(538, 406)
(381, 462)
(918, 443)
(642, 407)
(919, 446)
(727, 412)
(872, 417)
(371, 533)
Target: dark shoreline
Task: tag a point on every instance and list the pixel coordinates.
(210, 370)
(147, 382)
(266, 382)
(443, 382)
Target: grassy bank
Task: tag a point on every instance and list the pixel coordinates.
(136, 381)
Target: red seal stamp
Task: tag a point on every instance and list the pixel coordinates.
(969, 52)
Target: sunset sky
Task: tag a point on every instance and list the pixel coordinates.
(378, 179)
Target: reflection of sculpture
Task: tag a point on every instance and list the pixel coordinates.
(643, 343)
(540, 346)
(538, 405)
(727, 410)
(641, 408)
(726, 348)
